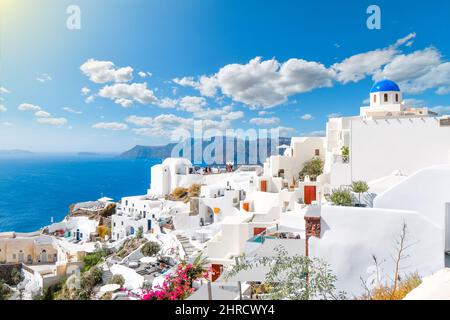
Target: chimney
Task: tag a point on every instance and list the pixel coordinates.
(312, 226)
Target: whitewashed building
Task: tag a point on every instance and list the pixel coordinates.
(387, 136)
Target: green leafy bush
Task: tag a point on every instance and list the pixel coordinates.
(312, 168)
(92, 259)
(117, 279)
(341, 197)
(150, 249)
(5, 292)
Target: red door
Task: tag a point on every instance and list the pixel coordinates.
(257, 231)
(263, 185)
(310, 194)
(216, 271)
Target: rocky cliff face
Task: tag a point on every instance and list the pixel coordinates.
(241, 149)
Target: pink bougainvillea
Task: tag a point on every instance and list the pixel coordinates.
(177, 285)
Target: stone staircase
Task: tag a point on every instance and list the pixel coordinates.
(189, 249)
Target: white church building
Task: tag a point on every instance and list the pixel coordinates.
(387, 136)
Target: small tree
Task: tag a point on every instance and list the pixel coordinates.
(140, 232)
(117, 279)
(150, 249)
(295, 277)
(312, 168)
(341, 197)
(359, 187)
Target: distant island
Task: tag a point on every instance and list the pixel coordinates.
(165, 151)
(15, 152)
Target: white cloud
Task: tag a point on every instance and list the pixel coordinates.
(105, 71)
(264, 121)
(285, 131)
(169, 125)
(191, 103)
(207, 86)
(52, 121)
(269, 83)
(357, 67)
(85, 91)
(407, 39)
(307, 117)
(28, 106)
(437, 78)
(264, 113)
(441, 110)
(3, 108)
(318, 133)
(3, 90)
(89, 99)
(414, 103)
(42, 114)
(334, 115)
(115, 126)
(44, 77)
(125, 94)
(167, 103)
(70, 110)
(140, 121)
(234, 115)
(7, 124)
(144, 74)
(406, 67)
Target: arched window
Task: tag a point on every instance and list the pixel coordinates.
(385, 97)
(375, 98)
(396, 97)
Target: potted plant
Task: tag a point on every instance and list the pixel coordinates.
(359, 187)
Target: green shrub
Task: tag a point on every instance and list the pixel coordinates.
(92, 259)
(341, 197)
(150, 249)
(345, 154)
(360, 187)
(5, 292)
(117, 279)
(140, 232)
(312, 168)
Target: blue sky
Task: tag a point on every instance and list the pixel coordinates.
(233, 64)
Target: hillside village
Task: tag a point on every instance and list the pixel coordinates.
(366, 209)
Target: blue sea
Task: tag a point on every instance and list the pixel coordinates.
(34, 188)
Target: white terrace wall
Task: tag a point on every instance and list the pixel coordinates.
(350, 236)
(379, 147)
(427, 192)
